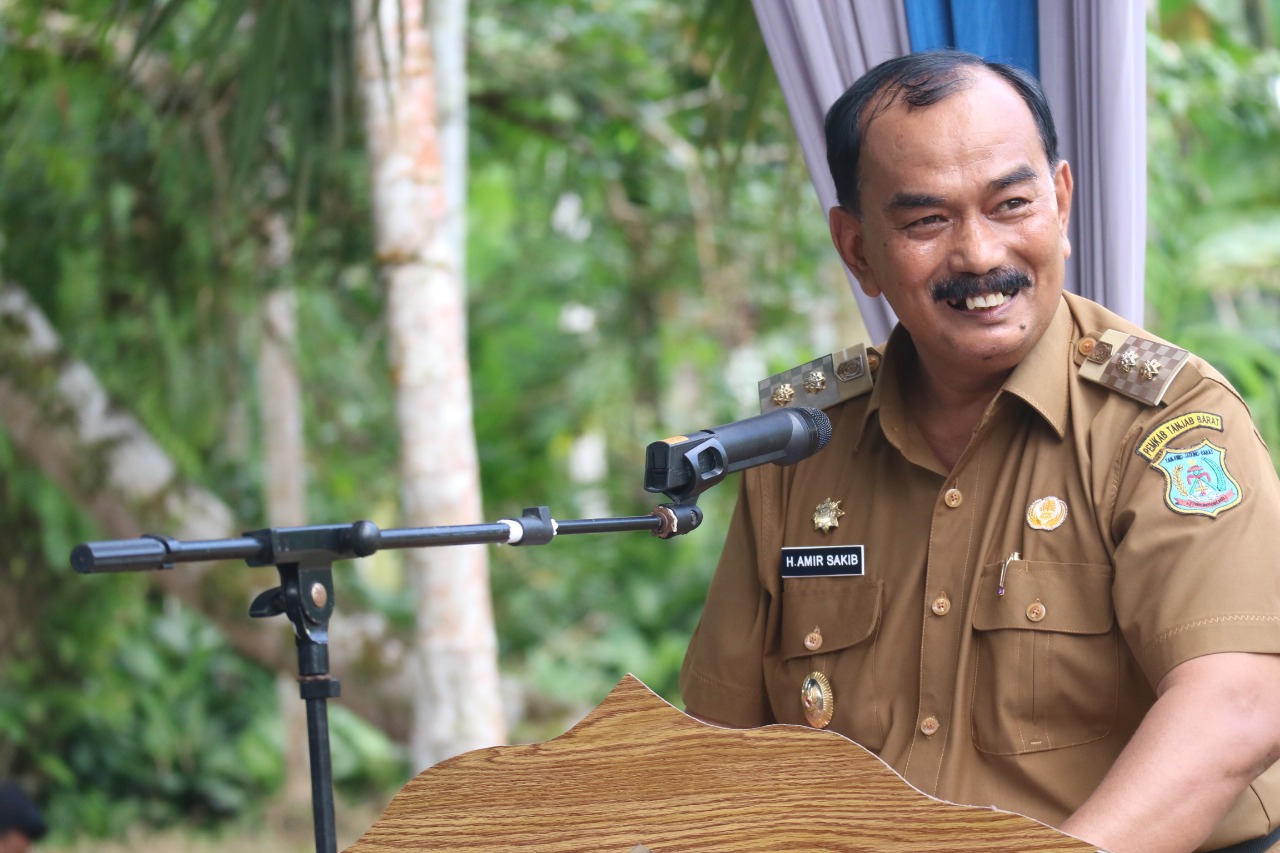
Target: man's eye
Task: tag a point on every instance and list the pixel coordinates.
(933, 219)
(1014, 203)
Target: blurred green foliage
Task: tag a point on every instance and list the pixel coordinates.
(134, 711)
(1213, 259)
(131, 208)
(643, 245)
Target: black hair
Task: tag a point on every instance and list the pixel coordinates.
(919, 80)
(17, 812)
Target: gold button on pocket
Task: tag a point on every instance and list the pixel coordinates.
(813, 640)
(953, 498)
(1036, 611)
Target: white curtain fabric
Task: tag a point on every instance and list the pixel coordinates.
(1093, 66)
(1093, 69)
(818, 48)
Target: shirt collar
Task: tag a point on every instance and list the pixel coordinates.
(1040, 380)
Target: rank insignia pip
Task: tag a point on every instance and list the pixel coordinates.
(1136, 367)
(827, 515)
(1197, 481)
(817, 700)
(823, 382)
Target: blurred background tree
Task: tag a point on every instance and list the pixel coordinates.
(642, 246)
(1213, 258)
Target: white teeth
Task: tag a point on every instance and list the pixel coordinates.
(991, 300)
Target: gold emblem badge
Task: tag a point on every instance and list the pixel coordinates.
(817, 700)
(783, 394)
(847, 371)
(827, 515)
(1128, 360)
(1047, 513)
(1150, 369)
(1101, 353)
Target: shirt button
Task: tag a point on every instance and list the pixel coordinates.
(813, 640)
(929, 726)
(953, 498)
(941, 605)
(1036, 611)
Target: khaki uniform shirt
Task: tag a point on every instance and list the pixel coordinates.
(1021, 700)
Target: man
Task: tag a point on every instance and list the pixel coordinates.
(1055, 536)
(20, 820)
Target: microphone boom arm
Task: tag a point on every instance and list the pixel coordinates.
(304, 557)
(276, 545)
(681, 468)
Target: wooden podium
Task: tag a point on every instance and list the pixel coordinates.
(638, 775)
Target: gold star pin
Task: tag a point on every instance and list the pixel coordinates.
(827, 515)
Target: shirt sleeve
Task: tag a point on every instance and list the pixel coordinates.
(722, 679)
(1197, 526)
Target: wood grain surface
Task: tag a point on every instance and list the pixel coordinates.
(638, 774)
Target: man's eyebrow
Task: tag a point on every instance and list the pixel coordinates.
(1017, 176)
(909, 201)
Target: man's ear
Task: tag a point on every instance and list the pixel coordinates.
(1063, 188)
(846, 233)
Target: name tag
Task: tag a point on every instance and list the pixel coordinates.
(822, 561)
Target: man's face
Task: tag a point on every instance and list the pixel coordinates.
(12, 841)
(958, 198)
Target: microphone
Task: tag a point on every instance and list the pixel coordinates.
(685, 466)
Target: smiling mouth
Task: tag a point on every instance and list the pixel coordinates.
(981, 293)
(987, 300)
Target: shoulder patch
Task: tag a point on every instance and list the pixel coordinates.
(823, 382)
(1136, 367)
(1197, 481)
(1158, 439)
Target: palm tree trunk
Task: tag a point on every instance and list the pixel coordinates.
(284, 474)
(58, 416)
(457, 706)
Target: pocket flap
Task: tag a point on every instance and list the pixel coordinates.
(843, 610)
(1072, 598)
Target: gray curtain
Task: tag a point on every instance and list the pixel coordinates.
(1093, 69)
(1093, 66)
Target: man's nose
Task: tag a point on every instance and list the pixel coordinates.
(976, 247)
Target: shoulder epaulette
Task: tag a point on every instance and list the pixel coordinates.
(1136, 367)
(823, 382)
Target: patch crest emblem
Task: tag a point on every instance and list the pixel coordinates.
(1197, 481)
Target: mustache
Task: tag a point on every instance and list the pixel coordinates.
(1006, 280)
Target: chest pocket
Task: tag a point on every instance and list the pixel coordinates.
(1048, 657)
(829, 625)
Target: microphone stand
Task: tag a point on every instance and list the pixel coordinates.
(304, 558)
